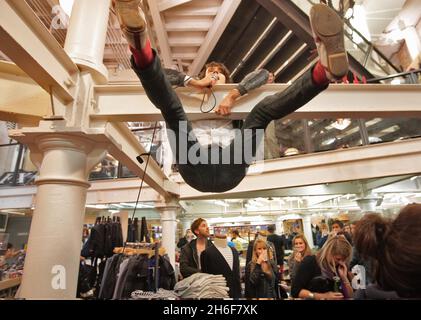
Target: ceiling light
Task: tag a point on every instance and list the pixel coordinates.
(221, 203)
(67, 6)
(97, 206)
(341, 124)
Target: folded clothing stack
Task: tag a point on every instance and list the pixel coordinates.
(202, 286)
(161, 294)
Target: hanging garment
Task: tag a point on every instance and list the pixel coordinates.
(213, 262)
(137, 276)
(121, 278)
(108, 239)
(144, 232)
(94, 246)
(131, 237)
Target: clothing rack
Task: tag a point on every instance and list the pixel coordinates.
(141, 248)
(151, 249)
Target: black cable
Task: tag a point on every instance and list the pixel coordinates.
(143, 176)
(214, 103)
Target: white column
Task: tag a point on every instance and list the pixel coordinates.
(86, 36)
(307, 229)
(169, 228)
(413, 42)
(52, 261)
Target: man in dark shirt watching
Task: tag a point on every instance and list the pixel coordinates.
(278, 242)
(190, 253)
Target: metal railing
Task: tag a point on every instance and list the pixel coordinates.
(366, 53)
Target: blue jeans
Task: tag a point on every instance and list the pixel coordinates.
(220, 177)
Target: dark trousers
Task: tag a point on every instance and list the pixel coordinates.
(221, 176)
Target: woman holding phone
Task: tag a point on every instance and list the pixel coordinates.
(261, 272)
(301, 250)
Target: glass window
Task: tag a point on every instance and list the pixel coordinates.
(106, 169)
(332, 134)
(290, 136)
(126, 173)
(392, 129)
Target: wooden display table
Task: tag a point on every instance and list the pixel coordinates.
(8, 285)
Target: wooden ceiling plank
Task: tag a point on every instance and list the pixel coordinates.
(221, 21)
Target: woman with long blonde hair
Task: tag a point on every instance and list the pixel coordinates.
(325, 275)
(301, 249)
(261, 275)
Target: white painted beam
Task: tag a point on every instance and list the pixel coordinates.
(28, 43)
(22, 100)
(226, 11)
(120, 190)
(100, 192)
(125, 147)
(161, 33)
(369, 162)
(17, 197)
(130, 103)
(169, 4)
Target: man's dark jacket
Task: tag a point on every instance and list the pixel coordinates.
(189, 260)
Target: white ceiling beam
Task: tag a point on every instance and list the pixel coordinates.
(188, 26)
(121, 190)
(368, 162)
(100, 192)
(169, 4)
(226, 11)
(125, 147)
(130, 103)
(191, 11)
(21, 100)
(185, 41)
(28, 43)
(17, 197)
(161, 33)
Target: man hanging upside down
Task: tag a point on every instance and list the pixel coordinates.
(220, 169)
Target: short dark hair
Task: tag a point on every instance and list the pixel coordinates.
(195, 225)
(396, 244)
(339, 223)
(271, 228)
(9, 246)
(224, 69)
(236, 232)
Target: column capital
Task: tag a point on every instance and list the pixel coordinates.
(64, 158)
(172, 205)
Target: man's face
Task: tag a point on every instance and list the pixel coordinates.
(336, 228)
(218, 72)
(203, 230)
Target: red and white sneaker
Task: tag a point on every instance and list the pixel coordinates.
(328, 32)
(132, 22)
